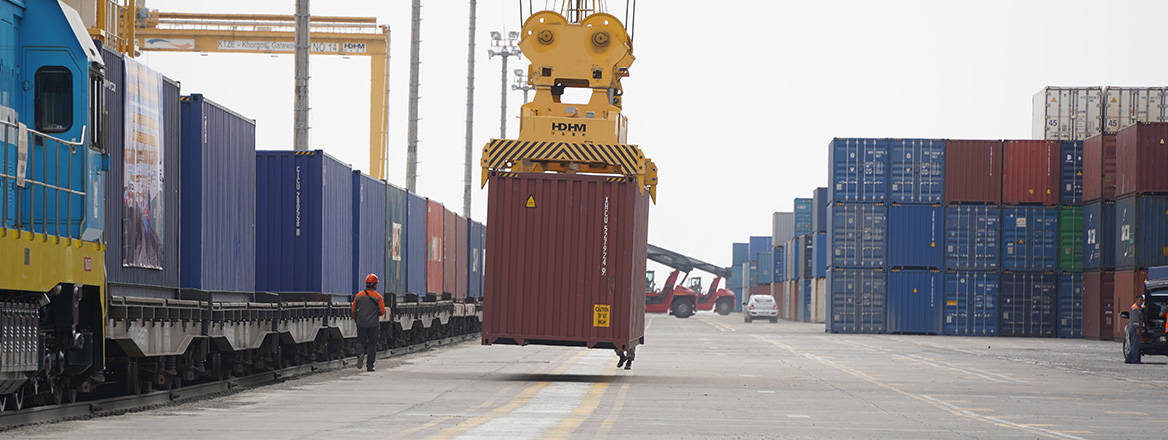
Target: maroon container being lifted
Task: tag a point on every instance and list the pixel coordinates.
(1098, 312)
(973, 171)
(1141, 159)
(1030, 172)
(1099, 168)
(566, 260)
(1128, 284)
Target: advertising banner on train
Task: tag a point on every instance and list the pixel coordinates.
(142, 210)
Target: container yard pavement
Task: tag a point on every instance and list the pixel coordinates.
(707, 376)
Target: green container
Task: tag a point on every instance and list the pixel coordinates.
(1070, 238)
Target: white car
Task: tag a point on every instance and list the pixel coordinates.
(761, 306)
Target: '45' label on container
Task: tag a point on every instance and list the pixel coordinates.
(600, 315)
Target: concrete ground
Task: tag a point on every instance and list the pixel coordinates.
(703, 377)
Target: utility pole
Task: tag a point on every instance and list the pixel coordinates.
(300, 123)
(504, 48)
(521, 83)
(470, 50)
(412, 129)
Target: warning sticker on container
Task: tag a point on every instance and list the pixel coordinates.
(530, 202)
(600, 315)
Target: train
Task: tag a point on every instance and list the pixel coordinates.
(146, 244)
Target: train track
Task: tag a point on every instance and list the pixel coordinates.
(123, 404)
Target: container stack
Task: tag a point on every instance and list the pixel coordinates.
(740, 260)
(915, 233)
(782, 229)
(1030, 195)
(856, 244)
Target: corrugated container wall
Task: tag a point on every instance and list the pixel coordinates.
(1070, 305)
(1070, 247)
(303, 234)
(779, 258)
(857, 237)
(758, 245)
(1099, 235)
(218, 198)
(740, 253)
(1099, 168)
(971, 237)
(588, 290)
(916, 171)
(1141, 231)
(1027, 304)
(1158, 273)
(369, 235)
(805, 303)
(435, 246)
(1124, 106)
(819, 258)
(803, 213)
(857, 301)
(1141, 158)
(806, 263)
(859, 170)
(766, 268)
(1068, 113)
(461, 268)
(163, 280)
(1030, 172)
(973, 171)
(449, 254)
(791, 248)
(1030, 238)
(396, 219)
(914, 301)
(1128, 284)
(475, 259)
(416, 245)
(735, 281)
(971, 303)
(1071, 173)
(1098, 304)
(819, 201)
(916, 236)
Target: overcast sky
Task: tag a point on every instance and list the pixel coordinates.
(734, 100)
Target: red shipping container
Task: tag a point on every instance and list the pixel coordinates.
(462, 255)
(973, 171)
(1030, 172)
(435, 214)
(1099, 168)
(792, 300)
(1128, 284)
(566, 260)
(1141, 159)
(1098, 312)
(449, 254)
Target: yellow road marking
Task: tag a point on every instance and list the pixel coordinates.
(1126, 413)
(649, 322)
(583, 411)
(617, 406)
(721, 327)
(521, 399)
(422, 427)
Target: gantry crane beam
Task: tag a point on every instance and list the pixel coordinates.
(274, 34)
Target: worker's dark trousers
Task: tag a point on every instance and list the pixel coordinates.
(1133, 345)
(627, 355)
(367, 338)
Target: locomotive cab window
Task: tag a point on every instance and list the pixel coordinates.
(53, 102)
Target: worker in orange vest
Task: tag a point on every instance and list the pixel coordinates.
(367, 309)
(1135, 322)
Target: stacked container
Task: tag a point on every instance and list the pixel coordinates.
(817, 306)
(973, 192)
(857, 241)
(916, 228)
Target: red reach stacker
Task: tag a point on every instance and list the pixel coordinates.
(681, 301)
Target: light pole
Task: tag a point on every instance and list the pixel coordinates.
(521, 83)
(506, 48)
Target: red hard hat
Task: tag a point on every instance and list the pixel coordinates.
(371, 279)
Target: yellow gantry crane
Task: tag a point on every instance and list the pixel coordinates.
(131, 29)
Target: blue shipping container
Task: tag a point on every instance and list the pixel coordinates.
(856, 302)
(805, 302)
(1141, 231)
(971, 303)
(735, 281)
(758, 245)
(803, 213)
(304, 242)
(415, 245)
(914, 301)
(396, 205)
(779, 256)
(1098, 238)
(819, 255)
(369, 237)
(859, 170)
(1071, 173)
(1070, 305)
(766, 267)
(1030, 238)
(857, 235)
(740, 253)
(1027, 304)
(807, 263)
(792, 248)
(972, 237)
(819, 209)
(915, 236)
(916, 170)
(218, 199)
(1158, 273)
(476, 258)
(737, 300)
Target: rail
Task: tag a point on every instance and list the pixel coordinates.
(19, 181)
